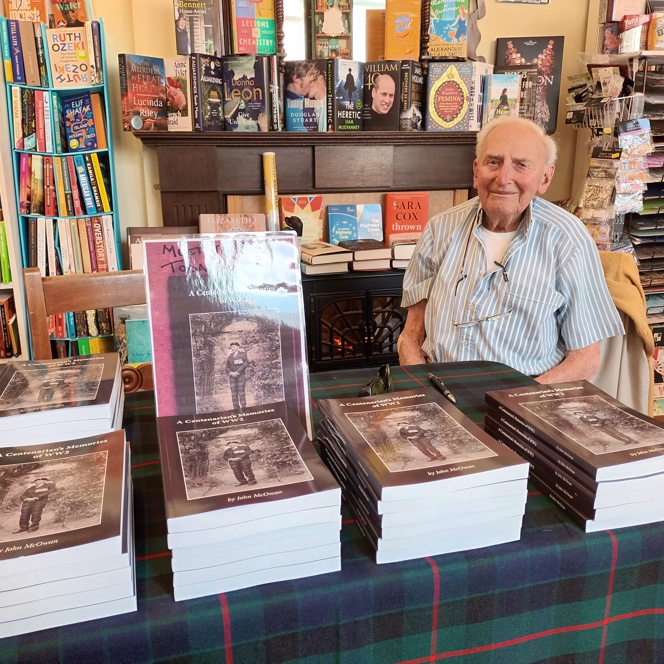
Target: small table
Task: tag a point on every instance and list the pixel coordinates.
(556, 593)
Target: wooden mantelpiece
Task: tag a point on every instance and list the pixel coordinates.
(198, 170)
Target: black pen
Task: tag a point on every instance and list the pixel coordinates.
(440, 386)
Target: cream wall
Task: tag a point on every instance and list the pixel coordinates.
(146, 27)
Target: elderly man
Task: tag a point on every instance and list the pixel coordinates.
(508, 276)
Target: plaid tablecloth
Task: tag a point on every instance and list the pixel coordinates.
(558, 595)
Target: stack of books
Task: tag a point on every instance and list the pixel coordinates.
(55, 400)
(421, 477)
(402, 252)
(324, 258)
(248, 501)
(368, 254)
(67, 540)
(600, 461)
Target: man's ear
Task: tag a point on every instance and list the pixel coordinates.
(475, 174)
(549, 170)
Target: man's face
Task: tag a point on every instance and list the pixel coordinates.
(303, 86)
(382, 94)
(509, 173)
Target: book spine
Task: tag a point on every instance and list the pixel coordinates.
(64, 241)
(18, 72)
(29, 120)
(83, 243)
(32, 242)
(37, 185)
(276, 96)
(103, 194)
(84, 182)
(47, 121)
(17, 117)
(50, 249)
(331, 98)
(24, 176)
(91, 244)
(29, 52)
(92, 65)
(41, 245)
(4, 334)
(48, 190)
(94, 187)
(197, 112)
(124, 92)
(97, 51)
(84, 346)
(6, 50)
(76, 246)
(109, 243)
(5, 268)
(80, 324)
(98, 119)
(98, 243)
(58, 125)
(73, 182)
(69, 198)
(41, 55)
(60, 187)
(104, 322)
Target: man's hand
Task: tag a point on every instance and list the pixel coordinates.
(579, 364)
(413, 335)
(234, 374)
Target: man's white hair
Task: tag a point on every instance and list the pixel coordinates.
(550, 146)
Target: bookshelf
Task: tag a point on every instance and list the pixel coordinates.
(90, 210)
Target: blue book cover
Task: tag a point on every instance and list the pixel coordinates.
(246, 90)
(84, 181)
(6, 50)
(16, 52)
(79, 120)
(345, 83)
(342, 223)
(370, 222)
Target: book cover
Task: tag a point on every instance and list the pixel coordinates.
(207, 92)
(403, 22)
(323, 253)
(136, 235)
(547, 54)
(34, 393)
(18, 72)
(448, 29)
(198, 27)
(253, 27)
(100, 168)
(415, 443)
(345, 89)
(263, 462)
(406, 215)
(178, 93)
(143, 93)
(27, 10)
(411, 110)
(331, 27)
(528, 93)
(83, 124)
(354, 222)
(49, 144)
(227, 323)
(502, 94)
(29, 119)
(234, 222)
(69, 57)
(304, 215)
(98, 243)
(305, 95)
(367, 249)
(455, 95)
(380, 106)
(68, 13)
(586, 426)
(246, 90)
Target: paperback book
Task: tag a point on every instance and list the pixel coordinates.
(448, 29)
(246, 90)
(227, 323)
(403, 19)
(355, 222)
(305, 95)
(406, 215)
(65, 13)
(143, 93)
(34, 11)
(253, 27)
(411, 102)
(207, 92)
(70, 56)
(178, 93)
(331, 25)
(304, 215)
(84, 122)
(502, 95)
(198, 27)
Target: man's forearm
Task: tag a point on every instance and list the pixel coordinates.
(413, 336)
(579, 364)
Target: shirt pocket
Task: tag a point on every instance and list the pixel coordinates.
(536, 309)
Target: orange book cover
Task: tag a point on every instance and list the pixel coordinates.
(26, 10)
(304, 215)
(403, 20)
(406, 215)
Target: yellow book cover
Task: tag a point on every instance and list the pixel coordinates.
(101, 183)
(403, 21)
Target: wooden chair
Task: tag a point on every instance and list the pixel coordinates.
(78, 292)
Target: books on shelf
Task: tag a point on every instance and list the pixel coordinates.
(355, 222)
(367, 249)
(304, 215)
(143, 92)
(410, 460)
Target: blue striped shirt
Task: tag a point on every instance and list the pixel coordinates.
(552, 286)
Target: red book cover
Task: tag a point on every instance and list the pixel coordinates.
(39, 120)
(91, 245)
(208, 356)
(406, 215)
(73, 179)
(24, 177)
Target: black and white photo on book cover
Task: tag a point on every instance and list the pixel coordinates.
(61, 495)
(227, 323)
(227, 459)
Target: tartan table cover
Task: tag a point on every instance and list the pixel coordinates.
(556, 596)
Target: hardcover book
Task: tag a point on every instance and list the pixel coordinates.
(406, 215)
(331, 25)
(227, 323)
(355, 222)
(237, 222)
(52, 397)
(528, 94)
(304, 215)
(455, 95)
(594, 432)
(246, 88)
(198, 27)
(143, 93)
(403, 22)
(380, 106)
(324, 268)
(415, 443)
(207, 92)
(178, 93)
(27, 10)
(305, 95)
(448, 29)
(253, 27)
(69, 55)
(323, 253)
(364, 250)
(262, 463)
(502, 94)
(547, 54)
(345, 90)
(411, 110)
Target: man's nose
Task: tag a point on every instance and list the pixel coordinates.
(504, 174)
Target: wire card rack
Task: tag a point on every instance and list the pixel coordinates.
(605, 112)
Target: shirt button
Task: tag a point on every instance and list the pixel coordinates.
(481, 273)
